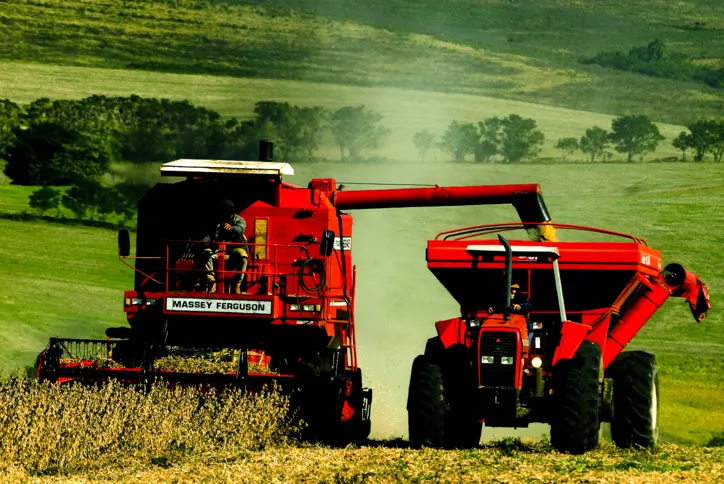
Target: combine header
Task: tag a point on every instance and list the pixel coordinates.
(279, 306)
(507, 364)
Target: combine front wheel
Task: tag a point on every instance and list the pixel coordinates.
(575, 403)
(635, 419)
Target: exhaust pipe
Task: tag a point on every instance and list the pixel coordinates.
(508, 274)
(266, 150)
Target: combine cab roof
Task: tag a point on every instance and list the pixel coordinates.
(187, 167)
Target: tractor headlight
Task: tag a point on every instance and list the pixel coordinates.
(536, 362)
(310, 307)
(136, 301)
(294, 307)
(506, 360)
(537, 325)
(474, 323)
(488, 360)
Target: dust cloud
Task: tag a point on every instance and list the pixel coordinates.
(398, 300)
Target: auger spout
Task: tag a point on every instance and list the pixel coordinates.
(526, 198)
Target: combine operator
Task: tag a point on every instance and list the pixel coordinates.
(229, 227)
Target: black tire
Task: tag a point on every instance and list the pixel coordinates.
(434, 350)
(463, 430)
(427, 408)
(635, 421)
(439, 403)
(575, 405)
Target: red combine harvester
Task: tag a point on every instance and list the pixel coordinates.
(557, 362)
(286, 315)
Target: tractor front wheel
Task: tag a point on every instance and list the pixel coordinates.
(427, 407)
(635, 421)
(575, 405)
(439, 407)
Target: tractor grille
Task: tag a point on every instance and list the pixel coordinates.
(497, 345)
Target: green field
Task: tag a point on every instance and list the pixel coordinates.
(65, 281)
(522, 50)
(421, 64)
(405, 111)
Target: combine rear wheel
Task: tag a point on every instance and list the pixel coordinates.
(635, 420)
(575, 425)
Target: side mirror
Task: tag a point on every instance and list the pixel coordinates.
(124, 243)
(327, 243)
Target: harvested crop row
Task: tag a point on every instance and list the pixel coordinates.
(46, 428)
(502, 462)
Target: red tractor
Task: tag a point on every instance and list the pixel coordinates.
(284, 314)
(557, 360)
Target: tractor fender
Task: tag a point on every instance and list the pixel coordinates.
(572, 335)
(451, 332)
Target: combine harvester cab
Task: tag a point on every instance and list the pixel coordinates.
(563, 364)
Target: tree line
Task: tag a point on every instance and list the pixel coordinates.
(61, 143)
(653, 60)
(514, 138)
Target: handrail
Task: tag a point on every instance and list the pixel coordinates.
(472, 231)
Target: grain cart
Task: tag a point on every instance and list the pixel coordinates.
(562, 363)
(290, 320)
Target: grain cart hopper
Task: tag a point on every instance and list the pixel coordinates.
(563, 364)
(291, 321)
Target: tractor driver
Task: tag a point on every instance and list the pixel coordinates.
(228, 227)
(519, 302)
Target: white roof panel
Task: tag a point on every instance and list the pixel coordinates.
(228, 167)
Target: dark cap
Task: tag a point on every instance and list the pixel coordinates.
(227, 203)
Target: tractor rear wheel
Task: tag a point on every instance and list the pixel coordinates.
(635, 419)
(575, 404)
(427, 408)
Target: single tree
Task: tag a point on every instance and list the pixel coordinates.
(298, 130)
(568, 146)
(9, 120)
(485, 150)
(717, 148)
(460, 140)
(682, 142)
(424, 142)
(521, 138)
(634, 135)
(594, 142)
(83, 197)
(490, 139)
(44, 199)
(356, 129)
(706, 136)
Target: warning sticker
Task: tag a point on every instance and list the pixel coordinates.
(234, 306)
(346, 243)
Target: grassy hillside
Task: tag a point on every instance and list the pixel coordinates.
(65, 281)
(405, 111)
(524, 50)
